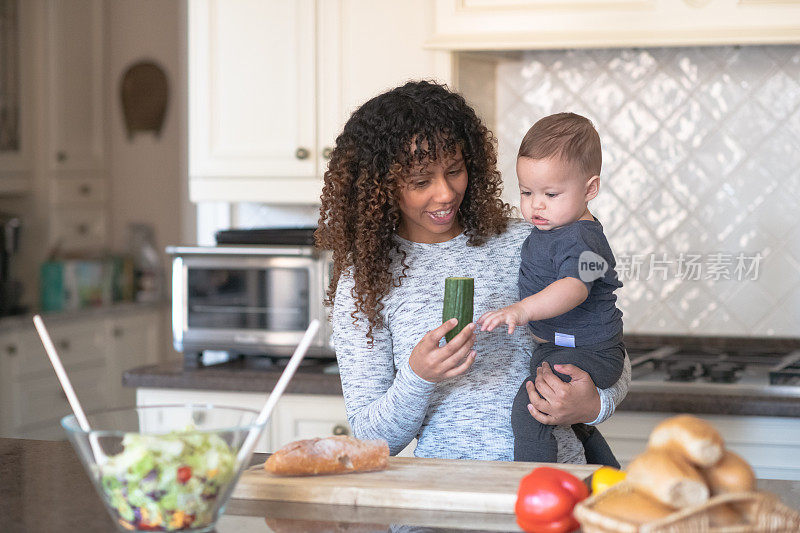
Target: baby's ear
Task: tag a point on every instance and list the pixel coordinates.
(592, 187)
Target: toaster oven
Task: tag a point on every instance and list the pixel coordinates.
(248, 300)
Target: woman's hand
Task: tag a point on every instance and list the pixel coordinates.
(558, 402)
(434, 363)
(513, 315)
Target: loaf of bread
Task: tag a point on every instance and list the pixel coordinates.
(696, 439)
(730, 474)
(668, 477)
(632, 506)
(331, 455)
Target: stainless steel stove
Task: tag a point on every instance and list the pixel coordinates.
(758, 367)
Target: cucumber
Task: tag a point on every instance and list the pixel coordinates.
(458, 293)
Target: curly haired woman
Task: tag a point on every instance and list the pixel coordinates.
(412, 196)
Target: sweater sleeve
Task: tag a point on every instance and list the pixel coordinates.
(611, 397)
(382, 402)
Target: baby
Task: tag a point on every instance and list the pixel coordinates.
(566, 276)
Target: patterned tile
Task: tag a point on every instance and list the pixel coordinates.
(604, 95)
(633, 68)
(631, 182)
(772, 94)
(690, 124)
(720, 153)
(663, 153)
(609, 210)
(663, 213)
(720, 95)
(662, 94)
(633, 124)
(750, 124)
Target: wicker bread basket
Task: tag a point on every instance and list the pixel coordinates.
(761, 511)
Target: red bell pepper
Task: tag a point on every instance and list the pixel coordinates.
(545, 500)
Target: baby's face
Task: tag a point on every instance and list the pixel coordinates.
(553, 193)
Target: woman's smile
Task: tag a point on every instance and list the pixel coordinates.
(443, 216)
(430, 198)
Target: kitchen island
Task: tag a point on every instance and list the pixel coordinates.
(44, 488)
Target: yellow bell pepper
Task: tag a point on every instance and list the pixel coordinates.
(605, 477)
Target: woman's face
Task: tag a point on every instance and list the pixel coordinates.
(430, 198)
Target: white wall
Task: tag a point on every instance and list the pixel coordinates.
(146, 172)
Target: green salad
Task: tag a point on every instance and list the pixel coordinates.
(167, 482)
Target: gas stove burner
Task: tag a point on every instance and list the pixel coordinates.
(681, 371)
(722, 372)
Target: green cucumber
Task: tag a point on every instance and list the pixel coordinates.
(458, 293)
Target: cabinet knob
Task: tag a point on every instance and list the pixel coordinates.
(326, 152)
(11, 350)
(302, 153)
(85, 189)
(64, 345)
(117, 332)
(61, 156)
(340, 429)
(82, 229)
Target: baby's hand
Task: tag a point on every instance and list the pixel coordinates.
(513, 315)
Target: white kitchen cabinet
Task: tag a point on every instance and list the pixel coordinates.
(94, 349)
(75, 93)
(243, 400)
(9, 350)
(271, 84)
(16, 157)
(252, 100)
(133, 340)
(534, 24)
(74, 103)
(305, 416)
(770, 444)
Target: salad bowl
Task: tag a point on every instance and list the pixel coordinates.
(164, 467)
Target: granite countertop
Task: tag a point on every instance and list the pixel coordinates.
(43, 487)
(315, 377)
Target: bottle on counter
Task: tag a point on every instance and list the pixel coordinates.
(148, 267)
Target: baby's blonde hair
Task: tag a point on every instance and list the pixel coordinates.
(570, 137)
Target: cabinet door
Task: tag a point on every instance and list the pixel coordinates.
(16, 123)
(74, 52)
(307, 416)
(80, 344)
(9, 351)
(531, 24)
(383, 45)
(134, 340)
(252, 84)
(243, 400)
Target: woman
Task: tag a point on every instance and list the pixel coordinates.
(412, 196)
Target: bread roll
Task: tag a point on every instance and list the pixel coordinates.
(331, 455)
(668, 477)
(694, 438)
(730, 474)
(632, 506)
(724, 515)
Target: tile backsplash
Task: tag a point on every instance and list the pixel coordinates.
(701, 175)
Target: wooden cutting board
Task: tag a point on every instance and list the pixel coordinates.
(411, 483)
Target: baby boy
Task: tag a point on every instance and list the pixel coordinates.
(566, 277)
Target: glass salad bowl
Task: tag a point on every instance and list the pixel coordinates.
(164, 467)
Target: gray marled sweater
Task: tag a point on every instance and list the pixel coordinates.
(466, 417)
